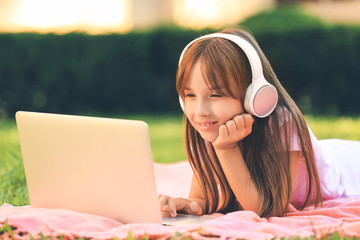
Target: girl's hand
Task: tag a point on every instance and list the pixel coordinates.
(172, 205)
(233, 131)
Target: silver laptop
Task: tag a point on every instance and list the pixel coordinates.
(93, 165)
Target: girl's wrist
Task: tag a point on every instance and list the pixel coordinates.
(230, 149)
(224, 146)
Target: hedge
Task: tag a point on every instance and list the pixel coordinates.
(135, 72)
(81, 73)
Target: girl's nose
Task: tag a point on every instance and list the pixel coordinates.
(203, 108)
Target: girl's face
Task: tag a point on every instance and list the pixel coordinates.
(207, 109)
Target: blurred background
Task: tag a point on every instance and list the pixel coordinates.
(120, 56)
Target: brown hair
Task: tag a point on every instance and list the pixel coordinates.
(266, 155)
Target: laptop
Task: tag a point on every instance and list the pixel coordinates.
(93, 165)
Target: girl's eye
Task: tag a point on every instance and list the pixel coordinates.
(189, 95)
(216, 95)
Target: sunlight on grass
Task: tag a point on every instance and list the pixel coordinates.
(335, 127)
(9, 144)
(12, 177)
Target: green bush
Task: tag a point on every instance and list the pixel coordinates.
(286, 18)
(80, 73)
(135, 72)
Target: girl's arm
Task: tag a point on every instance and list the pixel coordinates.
(238, 176)
(196, 194)
(234, 166)
(240, 181)
(195, 205)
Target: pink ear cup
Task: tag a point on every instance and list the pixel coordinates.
(260, 98)
(265, 101)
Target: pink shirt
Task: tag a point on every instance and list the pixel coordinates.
(338, 164)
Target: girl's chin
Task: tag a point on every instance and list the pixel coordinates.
(209, 137)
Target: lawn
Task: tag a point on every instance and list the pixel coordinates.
(166, 134)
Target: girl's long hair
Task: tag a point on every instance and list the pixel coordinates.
(266, 154)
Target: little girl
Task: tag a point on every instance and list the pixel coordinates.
(247, 141)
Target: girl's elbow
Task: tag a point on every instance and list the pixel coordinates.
(274, 212)
(253, 206)
(257, 208)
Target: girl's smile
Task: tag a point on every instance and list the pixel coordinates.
(207, 108)
(205, 126)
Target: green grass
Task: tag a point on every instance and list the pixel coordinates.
(12, 178)
(335, 127)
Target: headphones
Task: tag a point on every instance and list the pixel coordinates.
(261, 97)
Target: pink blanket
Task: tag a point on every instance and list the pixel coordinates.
(342, 215)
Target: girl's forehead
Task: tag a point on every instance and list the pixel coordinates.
(200, 75)
(212, 79)
(218, 80)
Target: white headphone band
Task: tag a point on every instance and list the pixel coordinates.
(250, 52)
